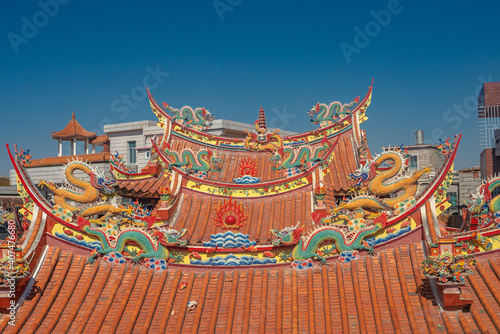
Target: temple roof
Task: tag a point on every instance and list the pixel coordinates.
(385, 293)
(73, 130)
(99, 140)
(344, 163)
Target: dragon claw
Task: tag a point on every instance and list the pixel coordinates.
(427, 170)
(91, 259)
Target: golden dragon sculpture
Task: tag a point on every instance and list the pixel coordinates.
(379, 183)
(83, 192)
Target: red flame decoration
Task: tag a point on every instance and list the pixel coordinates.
(230, 215)
(247, 166)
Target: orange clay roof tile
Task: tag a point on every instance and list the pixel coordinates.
(99, 140)
(374, 294)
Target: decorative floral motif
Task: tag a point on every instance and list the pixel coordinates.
(443, 188)
(117, 162)
(319, 190)
(114, 257)
(9, 270)
(111, 229)
(348, 256)
(304, 264)
(155, 264)
(62, 213)
(4, 217)
(401, 207)
(445, 148)
(23, 157)
(448, 267)
(356, 224)
(164, 193)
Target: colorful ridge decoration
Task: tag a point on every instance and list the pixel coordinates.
(327, 115)
(198, 119)
(229, 239)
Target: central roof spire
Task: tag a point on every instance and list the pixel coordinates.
(262, 119)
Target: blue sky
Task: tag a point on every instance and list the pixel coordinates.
(235, 56)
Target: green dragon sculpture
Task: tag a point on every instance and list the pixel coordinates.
(149, 247)
(483, 205)
(191, 162)
(344, 239)
(199, 118)
(300, 158)
(327, 115)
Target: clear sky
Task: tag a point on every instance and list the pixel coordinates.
(428, 60)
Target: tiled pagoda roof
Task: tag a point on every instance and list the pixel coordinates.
(73, 130)
(386, 293)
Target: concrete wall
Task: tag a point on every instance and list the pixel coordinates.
(139, 132)
(469, 180)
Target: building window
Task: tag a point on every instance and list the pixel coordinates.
(131, 152)
(414, 161)
(148, 154)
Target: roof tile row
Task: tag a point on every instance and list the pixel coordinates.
(379, 294)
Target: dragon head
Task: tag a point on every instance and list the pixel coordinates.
(171, 237)
(477, 200)
(276, 158)
(287, 236)
(207, 116)
(364, 173)
(216, 162)
(314, 110)
(101, 181)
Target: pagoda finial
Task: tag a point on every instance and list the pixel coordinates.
(73, 115)
(262, 119)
